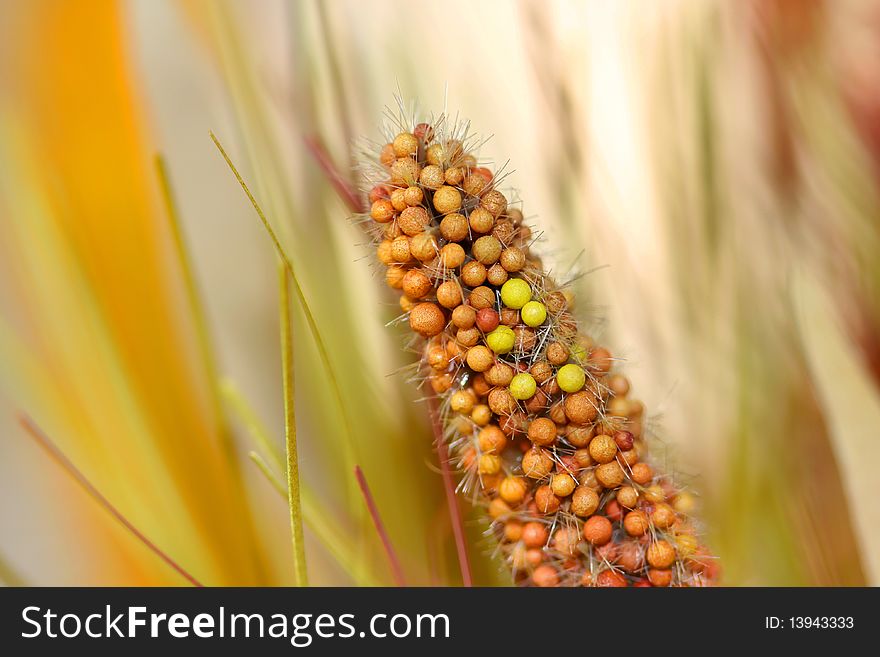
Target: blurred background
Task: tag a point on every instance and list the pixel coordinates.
(712, 167)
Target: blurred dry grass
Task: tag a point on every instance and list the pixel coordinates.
(721, 158)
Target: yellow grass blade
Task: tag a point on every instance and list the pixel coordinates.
(88, 291)
(204, 342)
(193, 297)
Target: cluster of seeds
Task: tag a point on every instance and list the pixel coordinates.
(544, 431)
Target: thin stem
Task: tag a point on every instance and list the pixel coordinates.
(318, 519)
(252, 424)
(342, 186)
(310, 319)
(264, 467)
(203, 336)
(451, 498)
(396, 568)
(46, 443)
(197, 311)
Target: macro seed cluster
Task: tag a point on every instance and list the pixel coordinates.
(545, 432)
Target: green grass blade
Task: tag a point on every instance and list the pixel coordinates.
(320, 523)
(252, 423)
(350, 449)
(314, 514)
(293, 492)
(267, 471)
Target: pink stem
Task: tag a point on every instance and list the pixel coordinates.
(380, 528)
(46, 443)
(451, 498)
(340, 183)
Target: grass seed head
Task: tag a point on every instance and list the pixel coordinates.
(636, 523)
(537, 417)
(513, 489)
(523, 386)
(482, 297)
(481, 221)
(464, 317)
(413, 220)
(382, 211)
(610, 475)
(562, 484)
(610, 579)
(603, 449)
(545, 576)
(535, 534)
(581, 407)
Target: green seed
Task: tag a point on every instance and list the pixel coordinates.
(533, 313)
(501, 340)
(516, 293)
(571, 378)
(523, 386)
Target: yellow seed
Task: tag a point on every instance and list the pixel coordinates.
(501, 340)
(516, 293)
(523, 386)
(533, 313)
(571, 378)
